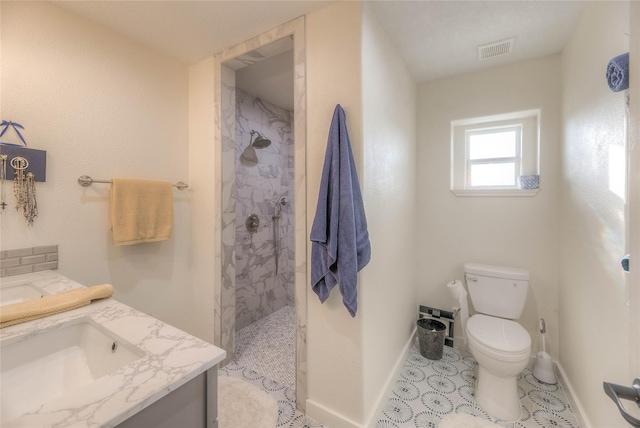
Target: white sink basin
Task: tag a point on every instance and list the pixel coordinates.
(40, 367)
(20, 292)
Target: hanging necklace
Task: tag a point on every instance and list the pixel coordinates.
(31, 206)
(3, 178)
(19, 164)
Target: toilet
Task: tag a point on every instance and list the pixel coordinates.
(501, 346)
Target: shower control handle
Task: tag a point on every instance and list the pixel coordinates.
(252, 223)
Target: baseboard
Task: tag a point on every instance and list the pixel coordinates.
(390, 383)
(327, 417)
(578, 410)
(332, 419)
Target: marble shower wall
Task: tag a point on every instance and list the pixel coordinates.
(258, 190)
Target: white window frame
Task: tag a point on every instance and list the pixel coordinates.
(527, 120)
(516, 160)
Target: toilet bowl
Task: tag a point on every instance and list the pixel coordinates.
(501, 346)
(502, 349)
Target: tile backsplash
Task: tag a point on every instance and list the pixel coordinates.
(28, 260)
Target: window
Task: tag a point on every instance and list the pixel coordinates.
(494, 155)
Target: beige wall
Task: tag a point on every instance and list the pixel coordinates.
(352, 360)
(512, 231)
(334, 339)
(594, 315)
(106, 107)
(201, 176)
(388, 287)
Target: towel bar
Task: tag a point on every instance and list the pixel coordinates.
(85, 181)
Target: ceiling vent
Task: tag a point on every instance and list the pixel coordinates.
(492, 50)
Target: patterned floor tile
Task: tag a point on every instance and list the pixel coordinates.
(427, 391)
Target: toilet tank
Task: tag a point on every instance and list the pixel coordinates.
(497, 290)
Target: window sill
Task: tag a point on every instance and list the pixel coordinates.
(496, 192)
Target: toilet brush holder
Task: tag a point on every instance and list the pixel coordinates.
(543, 370)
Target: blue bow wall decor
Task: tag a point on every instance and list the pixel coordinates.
(6, 124)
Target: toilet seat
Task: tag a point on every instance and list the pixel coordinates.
(503, 339)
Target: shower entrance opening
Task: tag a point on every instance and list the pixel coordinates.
(260, 305)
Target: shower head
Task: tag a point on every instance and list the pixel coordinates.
(260, 142)
(283, 201)
(249, 157)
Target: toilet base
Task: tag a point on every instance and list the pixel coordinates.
(498, 396)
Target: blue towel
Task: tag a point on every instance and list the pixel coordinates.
(340, 241)
(618, 73)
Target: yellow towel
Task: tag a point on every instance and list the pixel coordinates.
(141, 211)
(49, 305)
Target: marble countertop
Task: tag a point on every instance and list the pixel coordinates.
(172, 358)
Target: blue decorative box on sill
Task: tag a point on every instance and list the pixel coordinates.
(530, 181)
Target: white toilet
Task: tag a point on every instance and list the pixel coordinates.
(501, 346)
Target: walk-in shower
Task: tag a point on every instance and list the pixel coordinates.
(263, 185)
(264, 250)
(248, 259)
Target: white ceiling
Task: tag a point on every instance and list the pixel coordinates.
(191, 31)
(440, 38)
(436, 38)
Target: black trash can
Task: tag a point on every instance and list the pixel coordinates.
(431, 338)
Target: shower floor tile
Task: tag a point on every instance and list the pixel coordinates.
(268, 346)
(427, 391)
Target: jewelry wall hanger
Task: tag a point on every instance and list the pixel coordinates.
(25, 165)
(13, 144)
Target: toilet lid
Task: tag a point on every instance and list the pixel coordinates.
(498, 333)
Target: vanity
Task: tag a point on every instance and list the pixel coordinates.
(101, 365)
